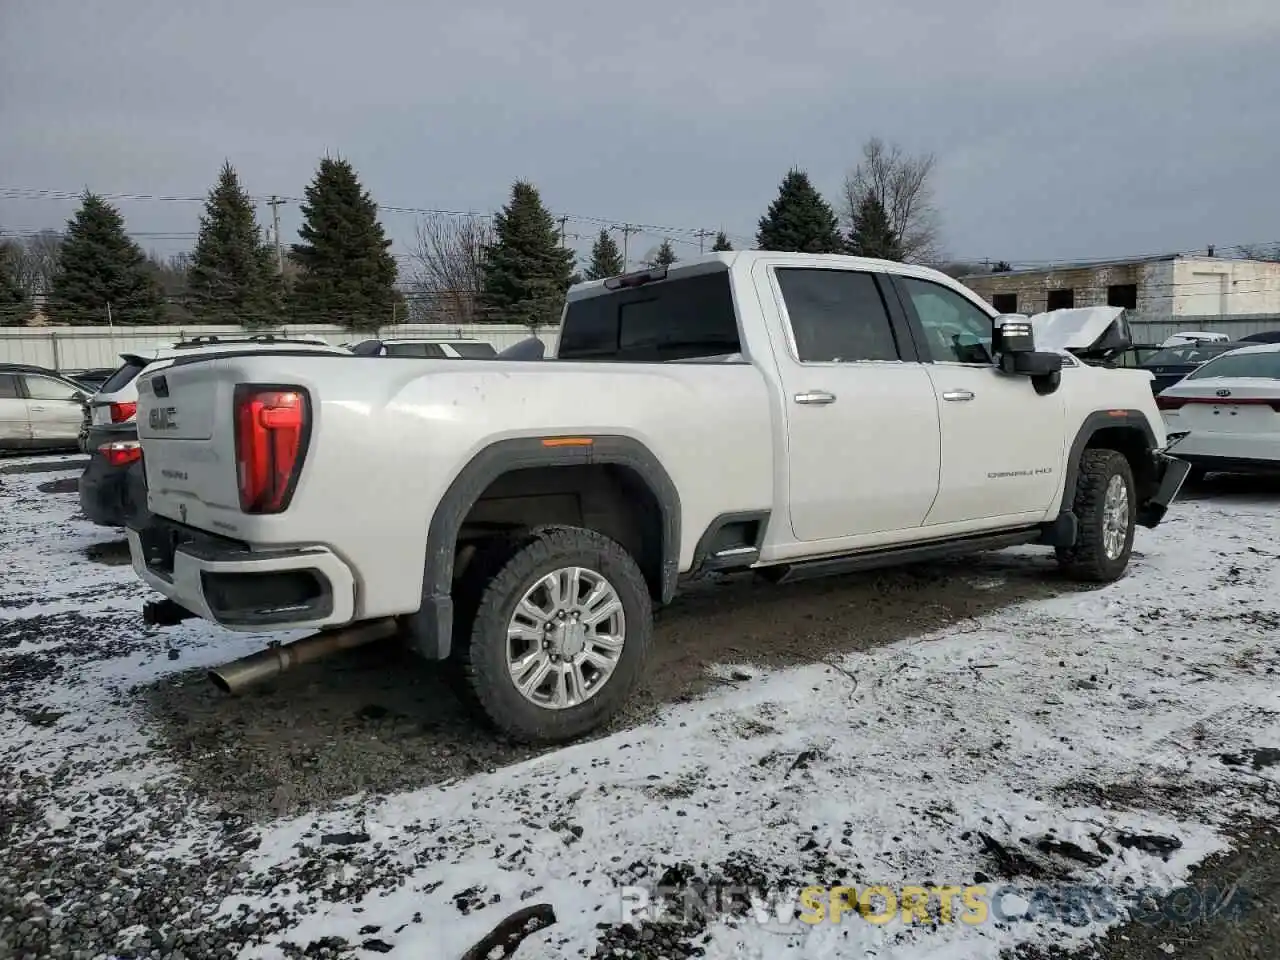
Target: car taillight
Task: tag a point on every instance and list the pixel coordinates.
(121, 453)
(120, 412)
(272, 428)
(1169, 403)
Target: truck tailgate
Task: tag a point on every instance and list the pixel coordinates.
(185, 423)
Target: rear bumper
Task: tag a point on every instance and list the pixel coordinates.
(226, 582)
(1170, 474)
(1233, 464)
(113, 496)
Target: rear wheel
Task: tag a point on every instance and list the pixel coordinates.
(1104, 507)
(558, 635)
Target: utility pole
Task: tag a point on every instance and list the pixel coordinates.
(274, 204)
(563, 222)
(702, 237)
(626, 230)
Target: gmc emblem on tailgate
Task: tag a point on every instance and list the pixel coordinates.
(1224, 393)
(163, 418)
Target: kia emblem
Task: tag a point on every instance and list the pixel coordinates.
(1224, 393)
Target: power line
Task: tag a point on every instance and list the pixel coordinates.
(36, 193)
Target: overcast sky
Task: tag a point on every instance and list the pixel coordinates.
(1062, 130)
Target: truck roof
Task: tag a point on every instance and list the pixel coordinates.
(711, 262)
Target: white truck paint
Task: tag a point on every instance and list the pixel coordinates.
(789, 413)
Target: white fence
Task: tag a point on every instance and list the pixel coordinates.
(88, 348)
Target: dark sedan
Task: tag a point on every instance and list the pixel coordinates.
(1171, 364)
(113, 489)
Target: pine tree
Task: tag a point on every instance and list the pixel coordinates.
(101, 269)
(722, 244)
(606, 258)
(15, 307)
(665, 256)
(872, 235)
(232, 277)
(526, 270)
(347, 272)
(799, 221)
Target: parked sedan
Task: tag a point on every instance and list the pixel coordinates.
(39, 409)
(1225, 416)
(1171, 364)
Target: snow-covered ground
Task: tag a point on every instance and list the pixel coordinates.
(1092, 718)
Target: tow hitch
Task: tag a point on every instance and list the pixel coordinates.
(164, 613)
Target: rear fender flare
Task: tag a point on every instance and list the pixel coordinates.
(430, 630)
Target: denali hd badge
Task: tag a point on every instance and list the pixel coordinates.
(163, 418)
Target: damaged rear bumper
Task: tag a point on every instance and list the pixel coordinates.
(1170, 473)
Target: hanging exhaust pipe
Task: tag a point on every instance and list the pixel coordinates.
(258, 667)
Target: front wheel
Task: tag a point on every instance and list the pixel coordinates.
(1104, 507)
(560, 636)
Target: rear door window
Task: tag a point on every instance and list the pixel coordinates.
(681, 318)
(9, 387)
(430, 351)
(836, 316)
(123, 376)
(474, 351)
(46, 388)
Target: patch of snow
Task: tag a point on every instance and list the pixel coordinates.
(1074, 719)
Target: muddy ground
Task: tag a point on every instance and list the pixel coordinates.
(380, 719)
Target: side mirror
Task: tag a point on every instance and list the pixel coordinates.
(1032, 364)
(1014, 343)
(1011, 334)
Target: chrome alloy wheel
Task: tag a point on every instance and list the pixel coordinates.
(1115, 517)
(565, 638)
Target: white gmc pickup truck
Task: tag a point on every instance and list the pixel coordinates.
(793, 414)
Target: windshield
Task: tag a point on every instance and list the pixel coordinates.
(1265, 365)
(1187, 353)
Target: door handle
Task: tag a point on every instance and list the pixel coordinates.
(817, 397)
(958, 395)
(39, 409)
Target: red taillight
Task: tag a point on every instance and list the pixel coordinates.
(120, 412)
(271, 434)
(122, 452)
(1169, 403)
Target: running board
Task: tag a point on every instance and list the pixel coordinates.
(892, 556)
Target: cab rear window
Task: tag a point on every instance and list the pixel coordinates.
(682, 318)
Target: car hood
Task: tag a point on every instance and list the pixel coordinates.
(1077, 329)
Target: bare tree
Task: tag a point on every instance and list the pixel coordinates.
(36, 261)
(902, 184)
(447, 274)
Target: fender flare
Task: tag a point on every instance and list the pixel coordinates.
(1094, 423)
(430, 630)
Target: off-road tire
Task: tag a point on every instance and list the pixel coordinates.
(1087, 560)
(496, 578)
